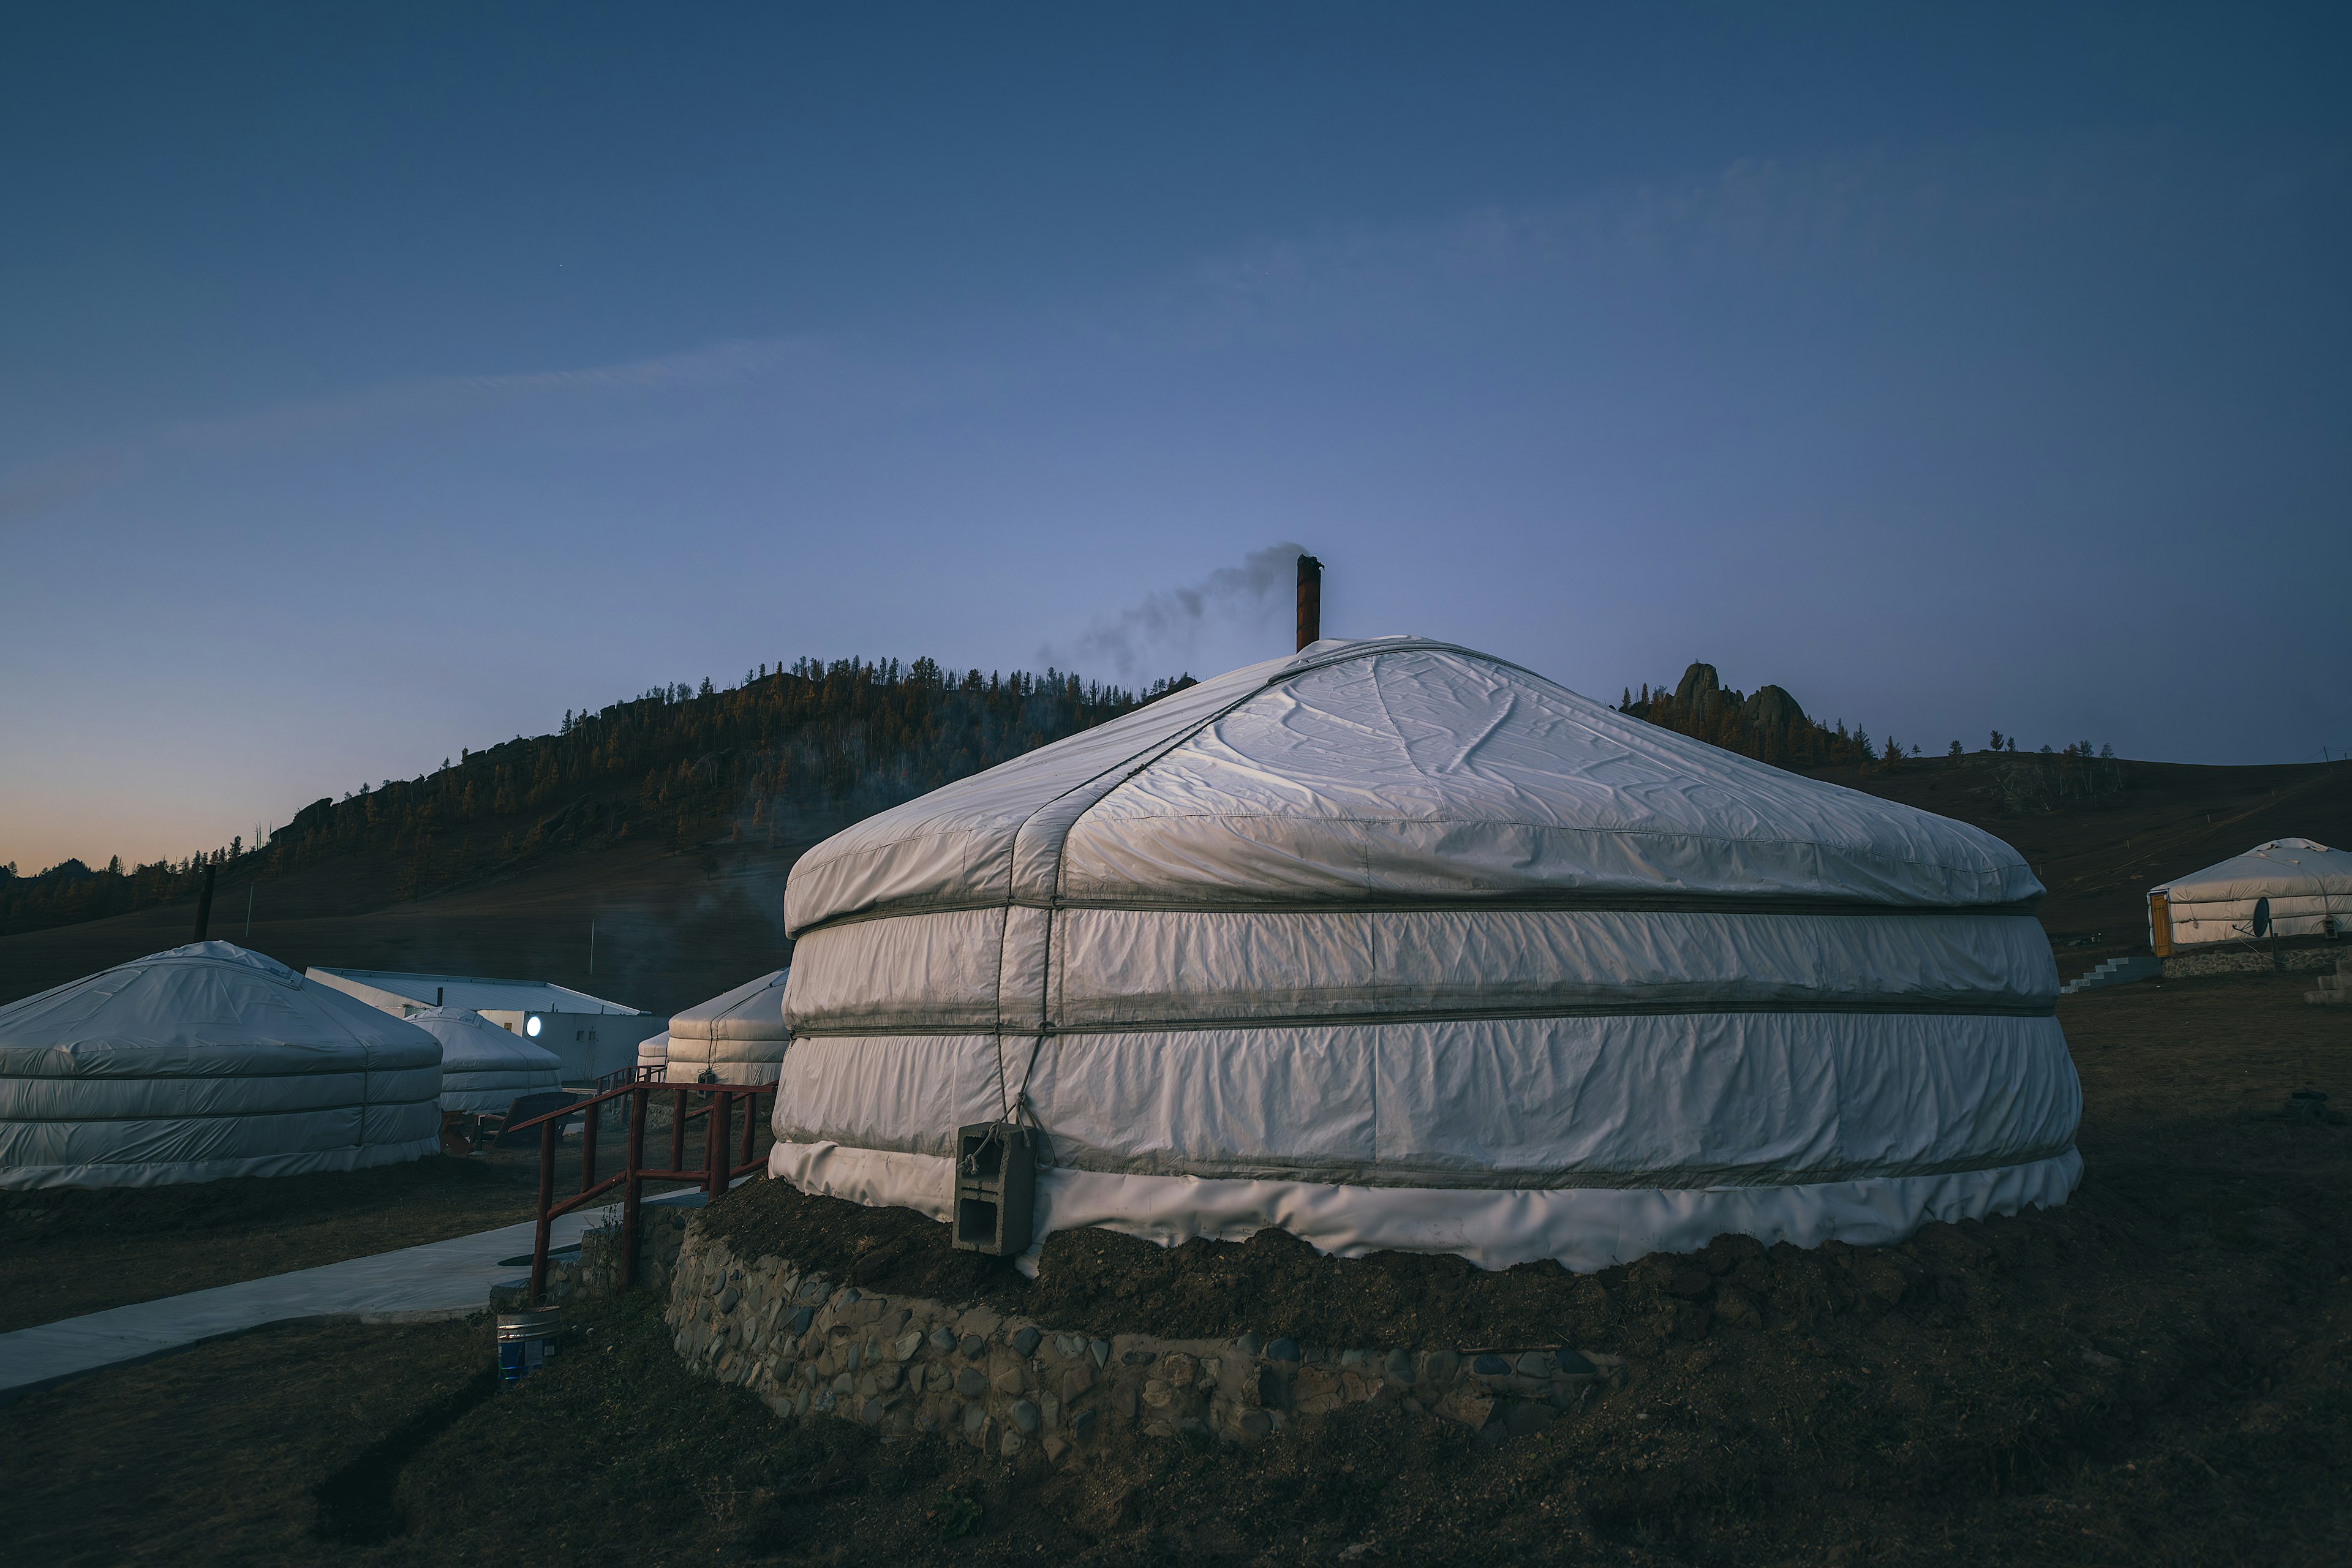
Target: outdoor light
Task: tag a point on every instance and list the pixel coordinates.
(530, 1026)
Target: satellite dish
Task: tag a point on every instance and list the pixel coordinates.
(2261, 918)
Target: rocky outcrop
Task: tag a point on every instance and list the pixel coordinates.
(1772, 710)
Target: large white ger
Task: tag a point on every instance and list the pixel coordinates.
(483, 1067)
(1397, 944)
(2289, 887)
(737, 1037)
(204, 1062)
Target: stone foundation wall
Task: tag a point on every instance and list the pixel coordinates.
(2233, 959)
(807, 1345)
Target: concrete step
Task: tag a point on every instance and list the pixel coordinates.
(2121, 970)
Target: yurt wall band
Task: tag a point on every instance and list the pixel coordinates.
(1393, 944)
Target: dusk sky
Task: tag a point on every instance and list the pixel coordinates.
(376, 382)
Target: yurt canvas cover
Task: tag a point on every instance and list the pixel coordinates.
(484, 1067)
(204, 1062)
(1396, 944)
(653, 1051)
(2308, 886)
(739, 1036)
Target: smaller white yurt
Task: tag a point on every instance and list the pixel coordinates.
(653, 1051)
(483, 1067)
(2289, 887)
(740, 1036)
(206, 1062)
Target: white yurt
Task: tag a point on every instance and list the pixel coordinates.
(204, 1062)
(2289, 887)
(653, 1051)
(1393, 944)
(739, 1036)
(484, 1067)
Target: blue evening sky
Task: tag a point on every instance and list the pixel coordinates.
(376, 380)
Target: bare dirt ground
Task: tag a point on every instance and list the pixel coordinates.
(2159, 1372)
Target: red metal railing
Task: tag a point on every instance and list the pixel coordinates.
(717, 1170)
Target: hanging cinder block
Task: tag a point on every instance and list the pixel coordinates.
(995, 1187)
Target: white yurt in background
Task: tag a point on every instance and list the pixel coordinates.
(483, 1067)
(1393, 944)
(739, 1036)
(653, 1051)
(2289, 887)
(204, 1062)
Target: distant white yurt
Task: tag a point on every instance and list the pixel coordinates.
(484, 1067)
(1393, 944)
(654, 1052)
(2289, 887)
(204, 1062)
(740, 1036)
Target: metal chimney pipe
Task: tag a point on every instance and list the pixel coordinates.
(1310, 600)
(204, 902)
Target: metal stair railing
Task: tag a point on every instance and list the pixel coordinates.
(717, 1172)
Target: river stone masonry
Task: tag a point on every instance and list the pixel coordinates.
(808, 1345)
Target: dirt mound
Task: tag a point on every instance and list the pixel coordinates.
(1277, 1286)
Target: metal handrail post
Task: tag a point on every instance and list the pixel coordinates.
(590, 1124)
(631, 1187)
(546, 1201)
(678, 1130)
(751, 1123)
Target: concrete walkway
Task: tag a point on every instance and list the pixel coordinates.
(416, 1284)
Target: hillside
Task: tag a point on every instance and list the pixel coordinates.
(672, 821)
(2098, 851)
(669, 820)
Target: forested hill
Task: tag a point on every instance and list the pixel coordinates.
(840, 740)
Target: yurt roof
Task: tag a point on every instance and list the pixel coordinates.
(2283, 866)
(471, 1043)
(199, 998)
(1395, 773)
(752, 1011)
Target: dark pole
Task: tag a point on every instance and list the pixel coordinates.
(547, 1131)
(714, 1146)
(1310, 600)
(633, 1187)
(204, 902)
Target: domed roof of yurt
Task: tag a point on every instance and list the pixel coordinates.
(204, 1062)
(738, 1037)
(1395, 944)
(483, 1067)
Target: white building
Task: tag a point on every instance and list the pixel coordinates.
(590, 1035)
